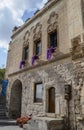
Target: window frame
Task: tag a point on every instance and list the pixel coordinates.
(24, 53)
(35, 43)
(35, 89)
(49, 44)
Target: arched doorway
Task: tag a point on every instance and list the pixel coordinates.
(51, 100)
(15, 100)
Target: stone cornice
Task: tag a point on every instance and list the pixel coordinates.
(42, 64)
(39, 14)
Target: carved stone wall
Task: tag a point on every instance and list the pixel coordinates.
(52, 22)
(67, 16)
(37, 31)
(52, 75)
(26, 38)
(77, 50)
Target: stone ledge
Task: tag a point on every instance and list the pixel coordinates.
(47, 118)
(64, 56)
(44, 123)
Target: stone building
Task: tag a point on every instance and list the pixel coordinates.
(45, 65)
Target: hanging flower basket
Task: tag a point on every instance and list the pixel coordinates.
(49, 52)
(33, 59)
(21, 64)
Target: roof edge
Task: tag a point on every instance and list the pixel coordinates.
(40, 13)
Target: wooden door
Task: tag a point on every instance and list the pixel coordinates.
(51, 100)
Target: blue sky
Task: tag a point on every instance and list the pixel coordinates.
(14, 13)
(3, 57)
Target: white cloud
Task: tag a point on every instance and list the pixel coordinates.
(40, 5)
(4, 45)
(11, 12)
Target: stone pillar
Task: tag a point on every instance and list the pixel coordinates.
(82, 100)
(60, 106)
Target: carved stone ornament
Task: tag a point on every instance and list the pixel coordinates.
(53, 18)
(37, 31)
(26, 38)
(52, 21)
(77, 50)
(52, 27)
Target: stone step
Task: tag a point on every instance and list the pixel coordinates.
(8, 122)
(2, 106)
(3, 116)
(2, 112)
(3, 109)
(2, 103)
(1, 100)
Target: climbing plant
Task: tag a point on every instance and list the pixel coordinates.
(2, 74)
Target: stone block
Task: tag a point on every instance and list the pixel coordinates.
(44, 123)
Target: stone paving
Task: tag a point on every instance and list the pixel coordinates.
(10, 128)
(9, 124)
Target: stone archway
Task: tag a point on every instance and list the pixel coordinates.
(15, 100)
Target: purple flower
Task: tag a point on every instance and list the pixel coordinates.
(49, 52)
(21, 64)
(33, 59)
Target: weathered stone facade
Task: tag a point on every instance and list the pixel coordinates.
(65, 68)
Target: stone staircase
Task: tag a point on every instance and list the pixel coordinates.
(4, 119)
(3, 109)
